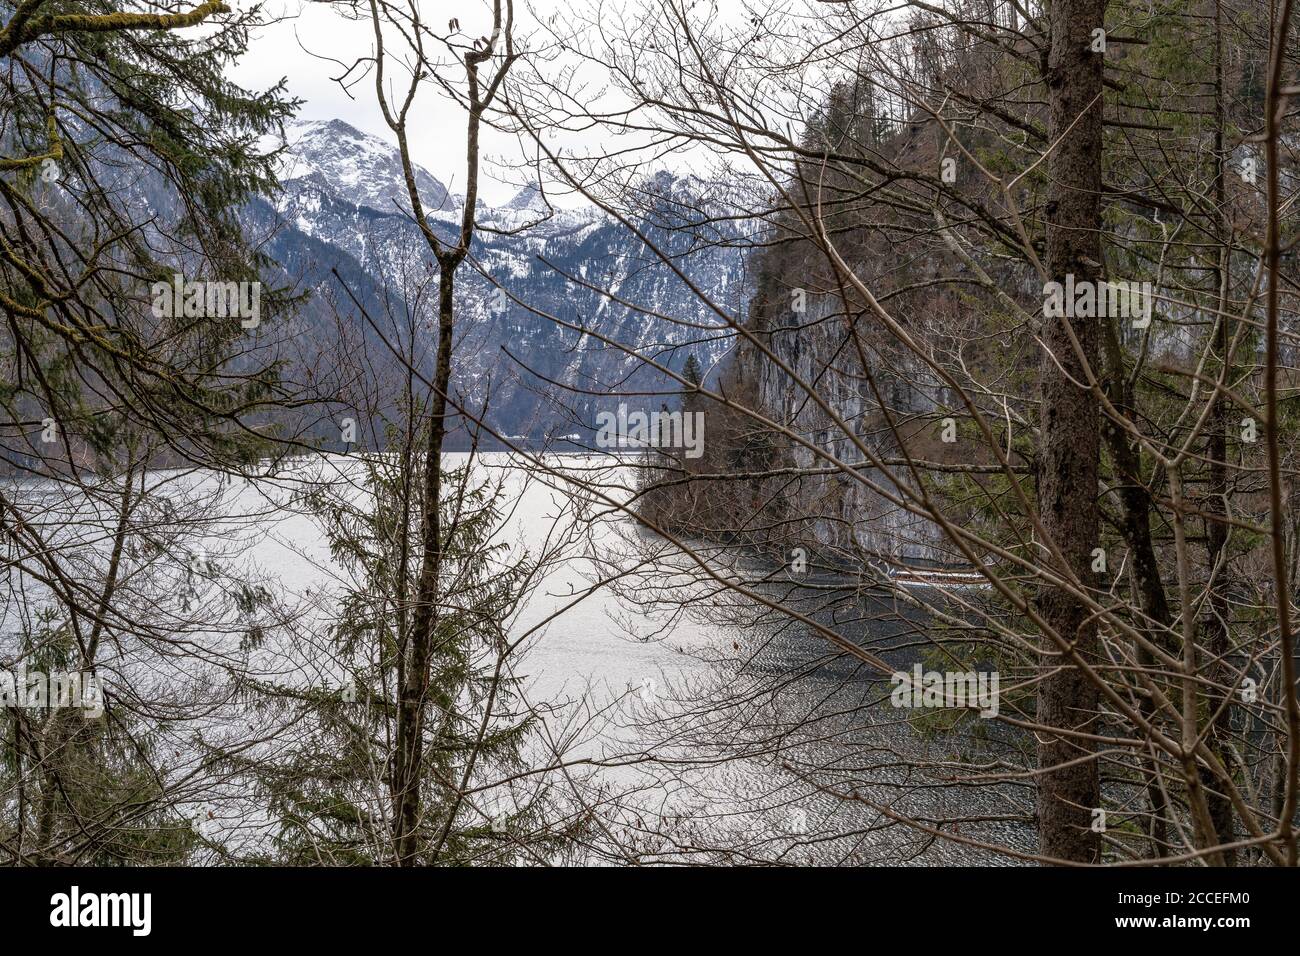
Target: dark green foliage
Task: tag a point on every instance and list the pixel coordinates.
(328, 791)
(156, 152)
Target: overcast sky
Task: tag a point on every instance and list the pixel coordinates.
(313, 43)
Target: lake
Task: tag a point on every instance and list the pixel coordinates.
(702, 726)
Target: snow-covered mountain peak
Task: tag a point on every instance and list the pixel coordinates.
(336, 217)
(529, 198)
(353, 166)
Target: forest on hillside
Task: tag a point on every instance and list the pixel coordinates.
(868, 436)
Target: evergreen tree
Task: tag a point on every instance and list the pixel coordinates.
(101, 109)
(691, 371)
(329, 785)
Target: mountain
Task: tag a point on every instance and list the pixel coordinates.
(546, 354)
(355, 166)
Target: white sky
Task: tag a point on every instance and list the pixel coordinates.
(296, 46)
(293, 48)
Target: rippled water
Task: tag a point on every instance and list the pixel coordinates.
(682, 695)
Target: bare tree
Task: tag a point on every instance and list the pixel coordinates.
(972, 164)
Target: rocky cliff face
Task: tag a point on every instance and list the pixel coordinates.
(847, 519)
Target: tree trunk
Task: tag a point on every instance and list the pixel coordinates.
(1135, 528)
(1069, 790)
(414, 679)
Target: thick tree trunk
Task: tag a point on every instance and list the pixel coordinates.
(1069, 788)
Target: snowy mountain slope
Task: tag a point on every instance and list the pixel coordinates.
(541, 354)
(355, 167)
